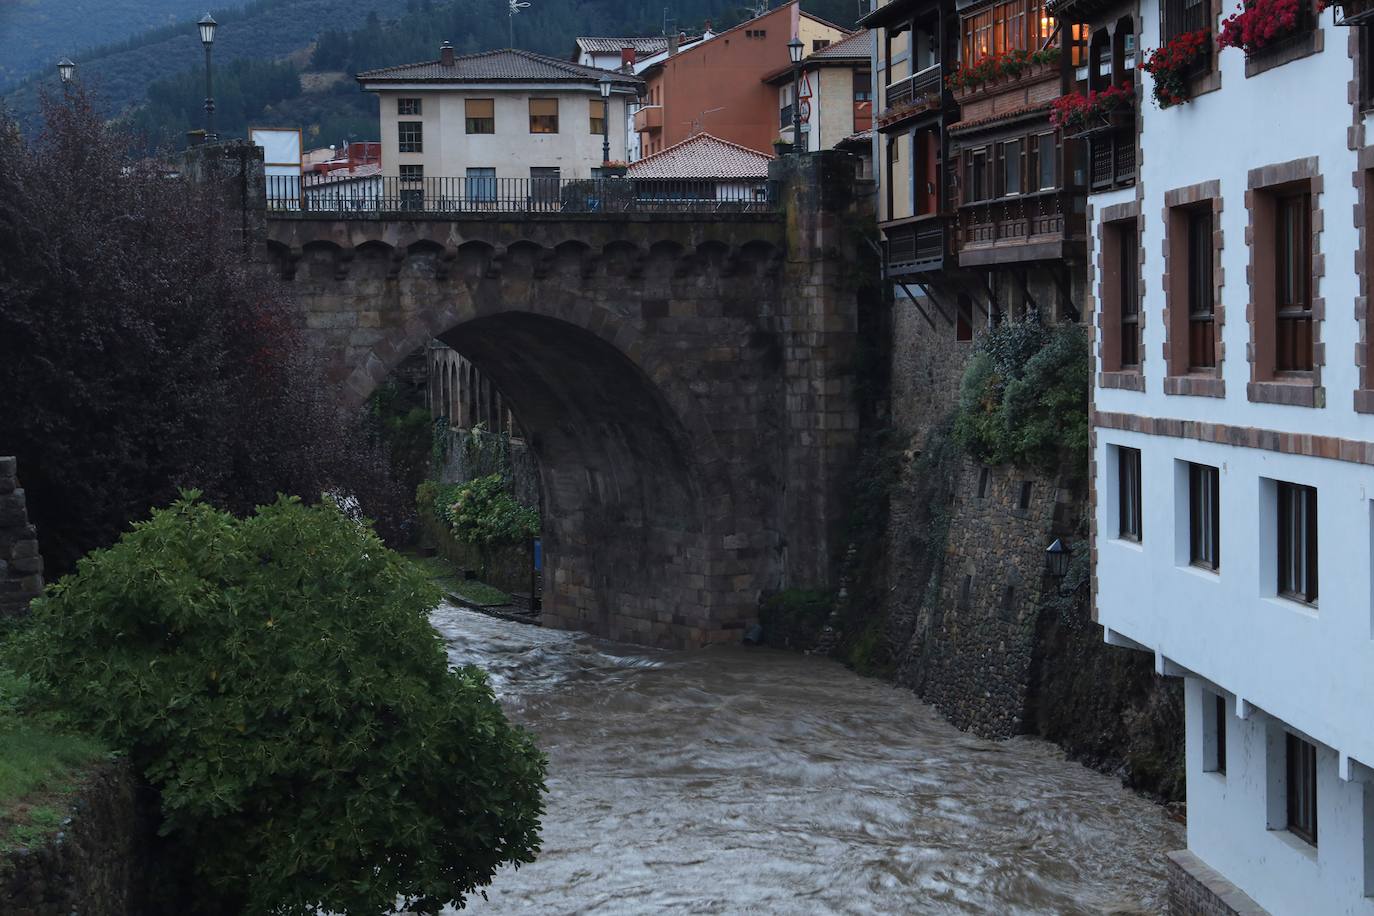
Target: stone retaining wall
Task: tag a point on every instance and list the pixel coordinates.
(1196, 889)
(95, 865)
(21, 566)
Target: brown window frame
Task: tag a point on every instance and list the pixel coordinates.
(1120, 295)
(1003, 27)
(1297, 539)
(479, 123)
(1300, 770)
(1291, 250)
(596, 121)
(1130, 523)
(1204, 516)
(541, 123)
(1201, 290)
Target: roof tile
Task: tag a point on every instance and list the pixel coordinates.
(503, 66)
(701, 157)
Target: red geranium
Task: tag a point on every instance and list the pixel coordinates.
(1257, 23)
(1172, 64)
(1075, 112)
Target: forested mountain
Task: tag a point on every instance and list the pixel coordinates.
(290, 63)
(34, 34)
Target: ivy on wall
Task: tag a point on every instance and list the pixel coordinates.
(1024, 396)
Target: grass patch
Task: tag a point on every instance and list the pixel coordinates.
(450, 578)
(39, 772)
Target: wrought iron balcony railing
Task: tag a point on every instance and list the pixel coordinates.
(372, 196)
(903, 91)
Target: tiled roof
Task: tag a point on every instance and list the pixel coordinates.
(862, 138)
(703, 156)
(315, 179)
(858, 46)
(651, 45)
(503, 66)
(1010, 115)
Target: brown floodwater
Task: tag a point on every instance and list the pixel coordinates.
(737, 780)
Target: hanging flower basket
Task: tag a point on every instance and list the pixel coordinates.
(1083, 115)
(996, 68)
(1173, 64)
(1260, 24)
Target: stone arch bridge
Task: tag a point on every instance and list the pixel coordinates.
(684, 379)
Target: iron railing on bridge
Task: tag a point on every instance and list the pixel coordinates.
(487, 194)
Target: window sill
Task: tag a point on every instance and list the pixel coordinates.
(1128, 543)
(1196, 384)
(1294, 393)
(1293, 605)
(1290, 49)
(1204, 573)
(1122, 379)
(1292, 840)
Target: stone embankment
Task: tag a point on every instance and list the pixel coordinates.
(21, 566)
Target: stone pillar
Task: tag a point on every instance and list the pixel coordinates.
(236, 168)
(21, 566)
(819, 331)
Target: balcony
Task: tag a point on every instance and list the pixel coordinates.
(913, 87)
(649, 118)
(918, 245)
(1029, 227)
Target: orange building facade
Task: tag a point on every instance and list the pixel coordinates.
(717, 86)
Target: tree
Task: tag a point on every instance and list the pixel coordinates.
(277, 680)
(141, 353)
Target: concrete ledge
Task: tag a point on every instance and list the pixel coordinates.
(1197, 889)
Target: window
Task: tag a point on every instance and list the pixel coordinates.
(863, 100)
(1202, 350)
(1297, 517)
(408, 106)
(1293, 282)
(1045, 172)
(1213, 732)
(1128, 493)
(543, 116)
(480, 115)
(1021, 24)
(481, 184)
(411, 135)
(1366, 75)
(1204, 516)
(412, 198)
(983, 475)
(412, 172)
(785, 112)
(1301, 783)
(1023, 501)
(596, 120)
(963, 323)
(977, 175)
(544, 186)
(966, 593)
(1010, 155)
(818, 43)
(1128, 250)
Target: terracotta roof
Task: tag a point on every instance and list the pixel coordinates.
(703, 156)
(315, 179)
(509, 65)
(862, 138)
(650, 45)
(858, 46)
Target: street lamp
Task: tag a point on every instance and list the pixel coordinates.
(1057, 558)
(207, 26)
(66, 69)
(794, 51)
(605, 87)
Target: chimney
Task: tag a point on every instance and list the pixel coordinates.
(707, 30)
(672, 44)
(446, 54)
(627, 58)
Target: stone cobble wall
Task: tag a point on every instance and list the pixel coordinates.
(463, 463)
(21, 565)
(97, 862)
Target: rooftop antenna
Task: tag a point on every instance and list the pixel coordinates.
(515, 7)
(698, 124)
(669, 25)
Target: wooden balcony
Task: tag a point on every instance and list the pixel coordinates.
(913, 87)
(649, 118)
(916, 245)
(1030, 227)
(1111, 158)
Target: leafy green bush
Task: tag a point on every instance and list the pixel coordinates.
(794, 618)
(1024, 396)
(277, 679)
(482, 512)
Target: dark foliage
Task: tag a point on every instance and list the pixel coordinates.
(140, 354)
(277, 680)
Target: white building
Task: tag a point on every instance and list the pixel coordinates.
(836, 93)
(1233, 444)
(496, 124)
(357, 188)
(704, 168)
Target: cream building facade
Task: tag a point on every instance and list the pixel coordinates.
(483, 120)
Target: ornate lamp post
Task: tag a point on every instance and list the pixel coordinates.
(1057, 558)
(207, 26)
(794, 51)
(605, 87)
